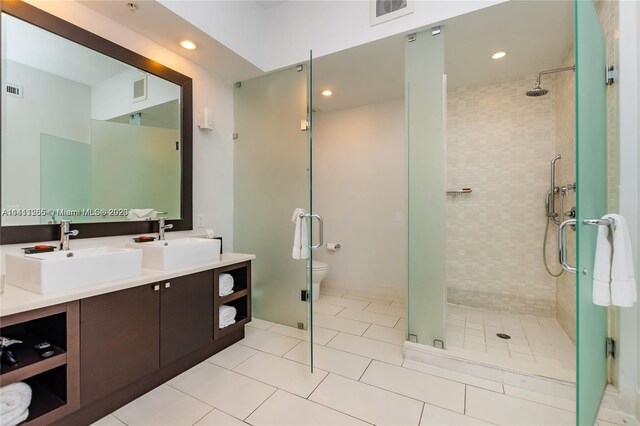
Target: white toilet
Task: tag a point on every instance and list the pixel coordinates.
(318, 274)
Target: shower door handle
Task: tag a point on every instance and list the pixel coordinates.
(320, 230)
(562, 245)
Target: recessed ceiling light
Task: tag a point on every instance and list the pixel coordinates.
(327, 93)
(499, 55)
(188, 44)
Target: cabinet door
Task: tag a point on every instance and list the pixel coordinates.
(186, 315)
(119, 340)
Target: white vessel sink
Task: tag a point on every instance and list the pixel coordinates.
(179, 253)
(64, 270)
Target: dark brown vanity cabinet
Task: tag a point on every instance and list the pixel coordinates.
(128, 334)
(186, 315)
(119, 340)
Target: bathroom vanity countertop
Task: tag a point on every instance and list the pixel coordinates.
(16, 300)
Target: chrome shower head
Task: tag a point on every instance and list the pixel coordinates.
(537, 91)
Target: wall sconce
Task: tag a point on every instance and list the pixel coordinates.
(205, 118)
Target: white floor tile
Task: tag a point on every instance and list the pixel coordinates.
(399, 303)
(434, 390)
(369, 348)
(329, 359)
(325, 308)
(261, 324)
(345, 303)
(507, 410)
(542, 398)
(284, 409)
(232, 356)
(230, 392)
(109, 420)
(366, 402)
(218, 418)
(385, 334)
(163, 406)
(321, 335)
(266, 341)
(282, 373)
(185, 374)
(368, 298)
(387, 310)
(340, 324)
(436, 416)
(402, 324)
(454, 375)
(474, 338)
(368, 317)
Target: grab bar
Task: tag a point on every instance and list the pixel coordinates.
(562, 245)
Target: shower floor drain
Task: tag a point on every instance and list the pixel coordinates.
(503, 336)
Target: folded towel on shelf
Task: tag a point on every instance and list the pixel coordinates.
(613, 275)
(14, 403)
(300, 237)
(142, 214)
(225, 284)
(227, 315)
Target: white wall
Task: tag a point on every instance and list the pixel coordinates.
(212, 150)
(359, 190)
(50, 104)
(278, 36)
(113, 97)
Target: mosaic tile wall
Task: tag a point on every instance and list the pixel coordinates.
(499, 143)
(566, 146)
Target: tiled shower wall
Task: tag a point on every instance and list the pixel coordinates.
(566, 146)
(499, 143)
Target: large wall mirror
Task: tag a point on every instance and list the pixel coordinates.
(91, 132)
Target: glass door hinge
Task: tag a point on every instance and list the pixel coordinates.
(612, 75)
(611, 347)
(304, 295)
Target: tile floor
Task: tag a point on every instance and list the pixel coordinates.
(360, 378)
(535, 341)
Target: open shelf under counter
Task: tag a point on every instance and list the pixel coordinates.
(30, 363)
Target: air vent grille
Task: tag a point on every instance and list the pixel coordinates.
(13, 90)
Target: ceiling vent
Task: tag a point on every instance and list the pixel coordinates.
(13, 90)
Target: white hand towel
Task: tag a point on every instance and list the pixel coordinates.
(225, 284)
(602, 268)
(301, 236)
(227, 315)
(14, 403)
(623, 282)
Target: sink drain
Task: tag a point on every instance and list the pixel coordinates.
(503, 336)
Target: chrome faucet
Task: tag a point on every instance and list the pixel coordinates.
(162, 227)
(65, 233)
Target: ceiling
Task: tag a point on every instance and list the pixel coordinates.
(40, 49)
(157, 23)
(536, 35)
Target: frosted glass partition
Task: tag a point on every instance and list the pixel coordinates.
(65, 176)
(425, 100)
(271, 161)
(118, 151)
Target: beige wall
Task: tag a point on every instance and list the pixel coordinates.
(500, 143)
(359, 189)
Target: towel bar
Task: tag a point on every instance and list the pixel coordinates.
(600, 222)
(456, 192)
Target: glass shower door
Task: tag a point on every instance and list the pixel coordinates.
(591, 200)
(271, 176)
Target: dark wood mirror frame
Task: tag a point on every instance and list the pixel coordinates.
(55, 25)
